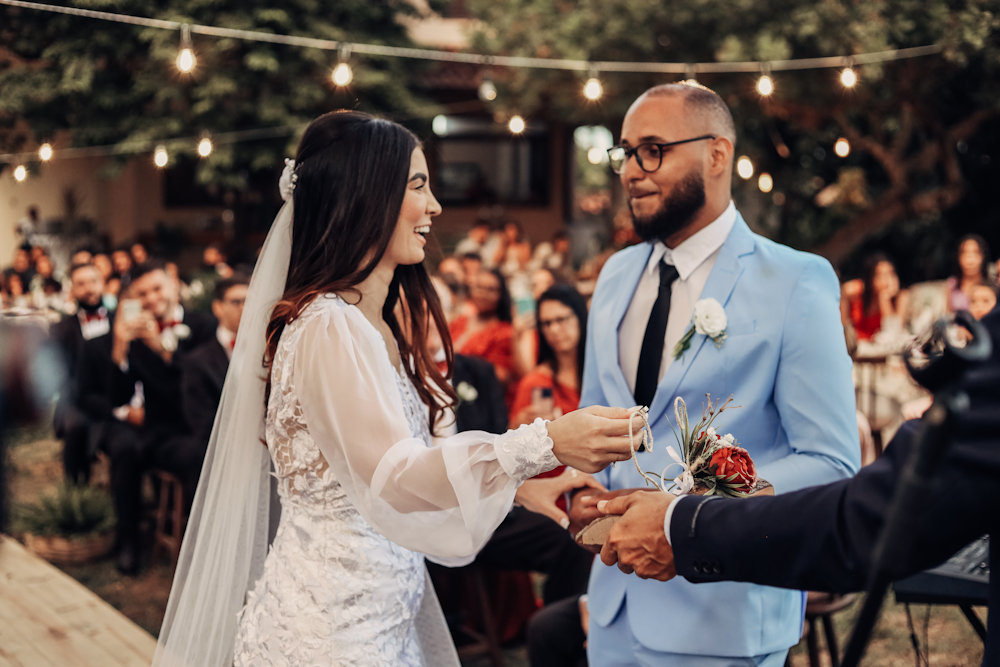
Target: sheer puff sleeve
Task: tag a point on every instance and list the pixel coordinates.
(444, 501)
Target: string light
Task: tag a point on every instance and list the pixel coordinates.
(20, 173)
(205, 147)
(45, 152)
(765, 86)
(765, 182)
(186, 60)
(744, 167)
(848, 77)
(842, 148)
(489, 60)
(487, 90)
(516, 125)
(596, 155)
(593, 89)
(342, 73)
(160, 156)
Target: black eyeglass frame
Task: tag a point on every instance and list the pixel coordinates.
(634, 152)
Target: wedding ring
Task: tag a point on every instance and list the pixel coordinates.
(572, 472)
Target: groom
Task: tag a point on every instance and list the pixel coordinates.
(783, 358)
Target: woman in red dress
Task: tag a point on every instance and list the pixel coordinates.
(552, 388)
(868, 303)
(489, 333)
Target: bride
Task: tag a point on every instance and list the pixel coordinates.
(346, 404)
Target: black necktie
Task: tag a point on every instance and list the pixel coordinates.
(648, 374)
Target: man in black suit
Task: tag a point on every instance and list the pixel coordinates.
(203, 373)
(130, 380)
(822, 538)
(91, 320)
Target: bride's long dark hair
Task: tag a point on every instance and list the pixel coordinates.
(351, 171)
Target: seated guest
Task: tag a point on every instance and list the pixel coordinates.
(214, 267)
(531, 537)
(21, 268)
(90, 321)
(552, 388)
(869, 303)
(982, 300)
(489, 333)
(137, 369)
(204, 371)
(972, 269)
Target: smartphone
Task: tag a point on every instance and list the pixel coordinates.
(542, 401)
(130, 309)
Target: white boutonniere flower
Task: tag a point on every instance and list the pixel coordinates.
(709, 319)
(172, 336)
(466, 392)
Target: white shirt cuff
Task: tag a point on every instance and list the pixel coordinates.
(666, 520)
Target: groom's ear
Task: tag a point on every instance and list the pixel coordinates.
(720, 156)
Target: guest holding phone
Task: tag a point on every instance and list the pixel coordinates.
(552, 388)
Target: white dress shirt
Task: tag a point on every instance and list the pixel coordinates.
(694, 259)
(225, 338)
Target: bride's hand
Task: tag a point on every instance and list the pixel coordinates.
(540, 495)
(592, 438)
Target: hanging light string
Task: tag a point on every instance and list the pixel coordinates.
(689, 69)
(135, 146)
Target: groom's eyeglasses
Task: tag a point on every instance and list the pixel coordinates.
(649, 156)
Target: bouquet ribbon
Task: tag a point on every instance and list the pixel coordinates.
(685, 481)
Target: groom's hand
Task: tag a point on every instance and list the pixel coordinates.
(637, 542)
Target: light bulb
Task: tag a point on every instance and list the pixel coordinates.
(848, 77)
(592, 90)
(516, 125)
(160, 157)
(440, 125)
(205, 147)
(20, 173)
(744, 167)
(186, 60)
(487, 91)
(765, 86)
(765, 182)
(342, 74)
(842, 148)
(45, 152)
(596, 156)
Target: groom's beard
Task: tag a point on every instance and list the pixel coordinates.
(675, 213)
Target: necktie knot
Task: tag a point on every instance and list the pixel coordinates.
(668, 274)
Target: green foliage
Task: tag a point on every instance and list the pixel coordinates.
(74, 510)
(904, 119)
(112, 83)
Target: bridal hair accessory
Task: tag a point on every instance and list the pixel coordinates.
(286, 184)
(709, 319)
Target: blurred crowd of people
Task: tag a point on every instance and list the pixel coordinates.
(147, 354)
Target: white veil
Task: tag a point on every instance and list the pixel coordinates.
(225, 542)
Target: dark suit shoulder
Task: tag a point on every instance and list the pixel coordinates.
(470, 369)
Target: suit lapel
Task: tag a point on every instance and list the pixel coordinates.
(610, 315)
(720, 285)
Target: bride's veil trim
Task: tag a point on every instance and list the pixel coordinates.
(225, 542)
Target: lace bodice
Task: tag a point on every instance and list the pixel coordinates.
(359, 483)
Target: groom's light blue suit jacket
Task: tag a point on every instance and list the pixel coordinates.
(785, 361)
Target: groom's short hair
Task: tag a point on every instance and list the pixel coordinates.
(701, 101)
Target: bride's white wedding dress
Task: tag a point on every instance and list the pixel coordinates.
(363, 497)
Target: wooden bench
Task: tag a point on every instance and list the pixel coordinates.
(48, 619)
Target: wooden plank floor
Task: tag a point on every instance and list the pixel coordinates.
(48, 619)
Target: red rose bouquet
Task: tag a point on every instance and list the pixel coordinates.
(710, 463)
